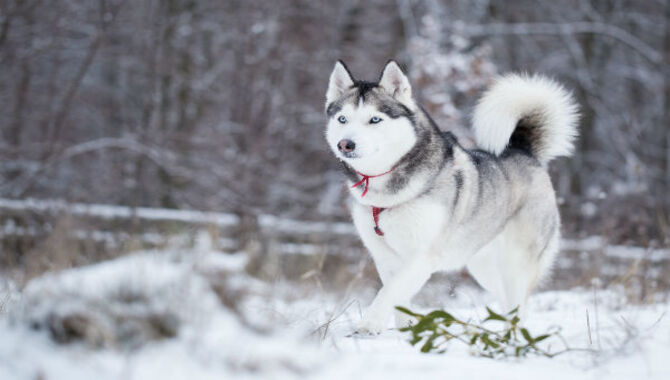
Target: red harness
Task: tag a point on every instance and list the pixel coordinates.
(375, 210)
(375, 217)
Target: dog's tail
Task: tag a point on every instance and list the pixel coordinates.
(532, 113)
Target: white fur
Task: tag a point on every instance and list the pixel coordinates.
(414, 247)
(340, 81)
(396, 84)
(378, 146)
(425, 235)
(511, 276)
(514, 96)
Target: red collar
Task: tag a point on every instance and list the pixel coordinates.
(375, 210)
(366, 180)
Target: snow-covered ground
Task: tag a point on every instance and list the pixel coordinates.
(194, 314)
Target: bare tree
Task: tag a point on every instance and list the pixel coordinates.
(219, 105)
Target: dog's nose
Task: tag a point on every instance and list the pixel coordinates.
(346, 146)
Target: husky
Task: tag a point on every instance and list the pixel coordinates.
(423, 203)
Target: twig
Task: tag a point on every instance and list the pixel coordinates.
(579, 27)
(657, 321)
(588, 327)
(331, 319)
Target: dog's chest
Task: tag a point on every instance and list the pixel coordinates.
(411, 226)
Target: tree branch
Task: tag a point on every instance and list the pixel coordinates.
(611, 31)
(160, 158)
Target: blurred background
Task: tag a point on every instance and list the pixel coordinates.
(217, 106)
(169, 207)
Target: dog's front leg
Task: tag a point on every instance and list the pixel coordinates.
(403, 285)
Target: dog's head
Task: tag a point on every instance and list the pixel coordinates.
(371, 125)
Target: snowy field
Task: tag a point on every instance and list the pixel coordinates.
(194, 314)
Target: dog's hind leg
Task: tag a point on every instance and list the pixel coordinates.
(502, 271)
(512, 263)
(484, 266)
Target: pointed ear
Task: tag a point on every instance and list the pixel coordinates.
(340, 81)
(396, 84)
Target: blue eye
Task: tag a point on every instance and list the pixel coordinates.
(375, 120)
(342, 119)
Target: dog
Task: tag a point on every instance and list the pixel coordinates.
(423, 203)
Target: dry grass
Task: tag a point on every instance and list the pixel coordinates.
(328, 267)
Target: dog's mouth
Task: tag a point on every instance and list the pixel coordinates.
(349, 154)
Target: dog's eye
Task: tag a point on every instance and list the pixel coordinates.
(375, 120)
(342, 119)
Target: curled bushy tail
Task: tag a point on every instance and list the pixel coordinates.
(532, 113)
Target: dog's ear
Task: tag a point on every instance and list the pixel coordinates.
(396, 84)
(340, 81)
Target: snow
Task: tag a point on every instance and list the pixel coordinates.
(122, 298)
(293, 226)
(285, 330)
(115, 212)
(596, 243)
(270, 222)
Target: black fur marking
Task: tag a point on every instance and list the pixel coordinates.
(333, 108)
(417, 154)
(527, 135)
(336, 106)
(503, 170)
(396, 110)
(433, 124)
(346, 68)
(486, 161)
(364, 87)
(397, 182)
(449, 142)
(480, 191)
(521, 138)
(430, 141)
(481, 161)
(478, 156)
(412, 161)
(458, 179)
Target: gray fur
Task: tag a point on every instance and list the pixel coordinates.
(456, 206)
(501, 181)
